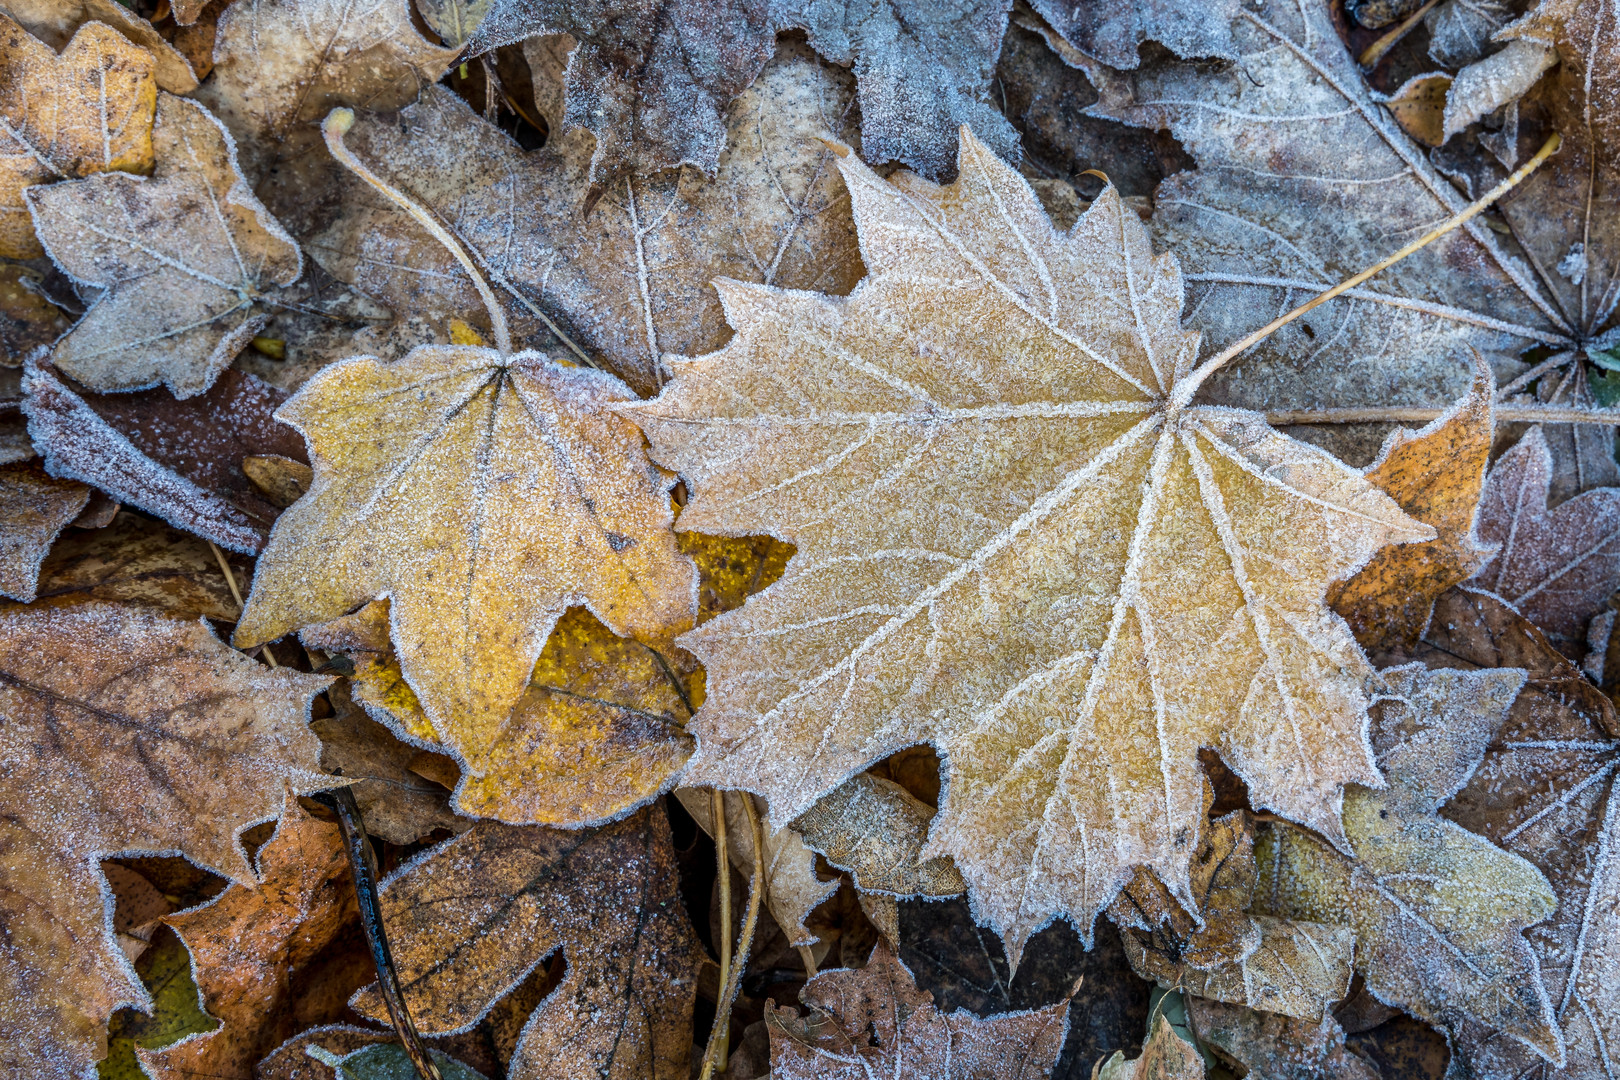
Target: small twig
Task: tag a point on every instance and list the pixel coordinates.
(1188, 386)
(717, 809)
(809, 959)
(1505, 414)
(236, 594)
(715, 1053)
(1375, 52)
(333, 128)
(363, 862)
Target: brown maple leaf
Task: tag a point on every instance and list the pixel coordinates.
(470, 919)
(873, 1021)
(34, 508)
(980, 567)
(88, 110)
(185, 260)
(125, 730)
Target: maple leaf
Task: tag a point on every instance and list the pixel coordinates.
(56, 21)
(1438, 911)
(876, 830)
(1037, 631)
(469, 919)
(1276, 1047)
(88, 110)
(184, 260)
(629, 281)
(483, 495)
(1165, 1056)
(1545, 790)
(180, 460)
(1557, 565)
(125, 730)
(34, 508)
(1113, 31)
(1436, 475)
(246, 942)
(873, 1021)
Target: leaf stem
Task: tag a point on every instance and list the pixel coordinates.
(1508, 414)
(333, 128)
(714, 1055)
(721, 1032)
(1188, 386)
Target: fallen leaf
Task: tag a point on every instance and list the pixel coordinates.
(1302, 181)
(126, 730)
(469, 919)
(876, 830)
(1165, 1056)
(1419, 106)
(1545, 791)
(873, 1021)
(1439, 912)
(1460, 31)
(1436, 474)
(1499, 79)
(629, 281)
(34, 508)
(979, 559)
(245, 944)
(1557, 566)
(185, 259)
(453, 20)
(27, 318)
(388, 1061)
(88, 110)
(180, 460)
(291, 1060)
(281, 479)
(176, 1008)
(56, 21)
(1275, 1047)
(1113, 32)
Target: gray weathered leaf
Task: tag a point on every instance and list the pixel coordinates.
(1112, 30)
(876, 830)
(34, 508)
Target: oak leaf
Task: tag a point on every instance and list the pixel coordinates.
(125, 730)
(88, 110)
(876, 831)
(1003, 543)
(34, 508)
(1276, 1047)
(185, 259)
(1439, 912)
(469, 919)
(873, 1021)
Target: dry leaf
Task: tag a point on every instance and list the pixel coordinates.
(1499, 79)
(1113, 30)
(873, 1021)
(1419, 106)
(876, 830)
(453, 20)
(28, 319)
(246, 943)
(1556, 566)
(34, 508)
(1460, 31)
(55, 21)
(1545, 791)
(88, 110)
(978, 565)
(1303, 181)
(1436, 474)
(291, 1060)
(1165, 1056)
(470, 919)
(629, 281)
(185, 259)
(125, 730)
(1439, 912)
(1273, 1047)
(180, 460)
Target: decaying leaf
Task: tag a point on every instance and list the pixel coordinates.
(873, 1021)
(1165, 1056)
(1003, 540)
(34, 508)
(1545, 791)
(1460, 31)
(1419, 106)
(1275, 1047)
(876, 830)
(388, 1061)
(88, 110)
(27, 318)
(453, 20)
(1113, 30)
(56, 21)
(1439, 912)
(629, 281)
(1499, 79)
(125, 730)
(484, 495)
(245, 944)
(180, 460)
(1436, 475)
(469, 919)
(184, 258)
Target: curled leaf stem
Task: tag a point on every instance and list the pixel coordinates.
(1188, 386)
(715, 1053)
(333, 128)
(363, 863)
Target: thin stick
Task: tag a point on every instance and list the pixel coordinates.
(714, 1055)
(336, 125)
(722, 1016)
(1375, 52)
(1188, 386)
(236, 594)
(363, 862)
(809, 960)
(1505, 414)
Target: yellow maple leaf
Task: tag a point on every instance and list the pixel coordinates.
(1026, 545)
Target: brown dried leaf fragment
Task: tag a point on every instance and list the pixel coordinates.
(1004, 541)
(876, 830)
(27, 318)
(873, 1021)
(55, 21)
(125, 730)
(470, 919)
(185, 259)
(484, 495)
(1556, 566)
(88, 110)
(34, 508)
(246, 943)
(1436, 475)
(1275, 1047)
(1499, 79)
(1165, 1056)
(1113, 30)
